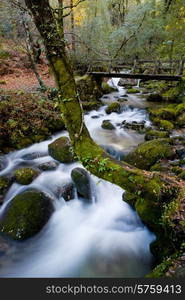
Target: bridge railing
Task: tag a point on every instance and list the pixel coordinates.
(140, 66)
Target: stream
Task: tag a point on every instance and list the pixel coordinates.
(103, 239)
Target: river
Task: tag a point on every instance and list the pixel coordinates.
(103, 239)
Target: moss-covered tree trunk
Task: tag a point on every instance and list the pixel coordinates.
(149, 192)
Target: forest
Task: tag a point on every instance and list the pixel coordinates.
(92, 138)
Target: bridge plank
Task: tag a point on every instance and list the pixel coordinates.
(137, 76)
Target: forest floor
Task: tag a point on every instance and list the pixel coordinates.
(23, 79)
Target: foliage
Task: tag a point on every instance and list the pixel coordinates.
(26, 118)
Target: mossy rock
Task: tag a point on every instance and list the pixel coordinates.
(179, 109)
(166, 113)
(154, 98)
(163, 124)
(159, 167)
(133, 91)
(25, 176)
(48, 166)
(26, 215)
(148, 153)
(172, 95)
(107, 89)
(81, 180)
(155, 134)
(92, 105)
(181, 120)
(106, 124)
(4, 186)
(61, 150)
(113, 107)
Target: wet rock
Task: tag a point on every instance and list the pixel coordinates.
(95, 117)
(26, 215)
(106, 124)
(61, 150)
(4, 187)
(25, 176)
(155, 134)
(113, 107)
(133, 91)
(181, 152)
(81, 180)
(88, 106)
(67, 191)
(122, 99)
(154, 98)
(107, 88)
(134, 125)
(48, 166)
(147, 154)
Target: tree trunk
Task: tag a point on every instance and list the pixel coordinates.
(72, 27)
(30, 50)
(149, 189)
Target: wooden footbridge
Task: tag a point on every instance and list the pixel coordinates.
(144, 77)
(159, 71)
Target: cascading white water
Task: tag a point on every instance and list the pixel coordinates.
(104, 238)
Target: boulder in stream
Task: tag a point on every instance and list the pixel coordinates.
(25, 176)
(48, 166)
(113, 107)
(81, 180)
(61, 150)
(107, 89)
(106, 124)
(67, 191)
(148, 153)
(26, 214)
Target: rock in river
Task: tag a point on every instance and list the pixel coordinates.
(26, 214)
(81, 180)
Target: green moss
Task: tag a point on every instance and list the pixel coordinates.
(113, 107)
(182, 175)
(161, 269)
(177, 170)
(148, 153)
(107, 88)
(61, 150)
(88, 89)
(149, 212)
(181, 120)
(26, 214)
(88, 106)
(180, 108)
(133, 91)
(163, 124)
(4, 185)
(172, 94)
(159, 168)
(107, 125)
(25, 176)
(155, 134)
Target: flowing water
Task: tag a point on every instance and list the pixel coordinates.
(105, 238)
